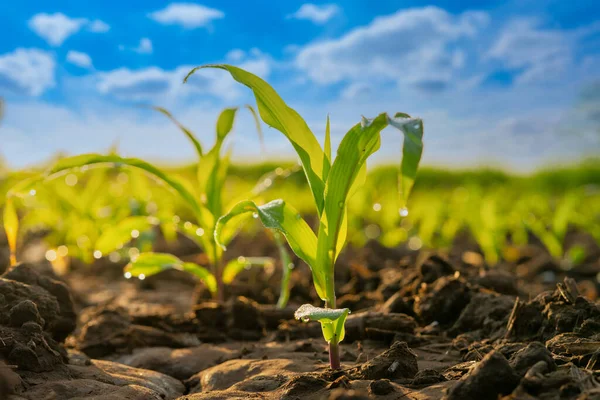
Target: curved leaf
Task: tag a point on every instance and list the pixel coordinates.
(148, 264)
(185, 130)
(332, 320)
(412, 149)
(234, 267)
(280, 216)
(348, 169)
(276, 113)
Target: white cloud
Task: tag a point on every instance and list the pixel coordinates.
(27, 71)
(542, 54)
(145, 46)
(188, 15)
(413, 46)
(235, 55)
(355, 90)
(55, 28)
(316, 14)
(80, 59)
(155, 83)
(98, 26)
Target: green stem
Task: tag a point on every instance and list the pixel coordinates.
(217, 271)
(287, 266)
(334, 348)
(334, 355)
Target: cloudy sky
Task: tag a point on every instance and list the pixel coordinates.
(513, 84)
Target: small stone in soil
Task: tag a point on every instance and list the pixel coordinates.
(381, 387)
(525, 358)
(396, 362)
(493, 376)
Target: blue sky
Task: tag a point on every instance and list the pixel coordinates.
(513, 84)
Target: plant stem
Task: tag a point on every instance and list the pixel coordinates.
(218, 273)
(334, 348)
(334, 355)
(287, 266)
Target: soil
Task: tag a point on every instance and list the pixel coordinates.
(424, 325)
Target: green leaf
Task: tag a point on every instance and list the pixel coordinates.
(234, 267)
(258, 126)
(276, 113)
(225, 123)
(412, 150)
(148, 264)
(348, 169)
(64, 165)
(327, 150)
(286, 265)
(185, 130)
(203, 274)
(117, 235)
(280, 216)
(332, 320)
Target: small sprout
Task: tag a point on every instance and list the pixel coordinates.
(332, 182)
(308, 312)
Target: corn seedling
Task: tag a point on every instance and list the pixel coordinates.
(205, 203)
(332, 183)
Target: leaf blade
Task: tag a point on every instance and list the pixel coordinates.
(276, 113)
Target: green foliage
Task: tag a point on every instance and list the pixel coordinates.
(148, 264)
(331, 184)
(204, 200)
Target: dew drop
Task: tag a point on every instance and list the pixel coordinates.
(97, 254)
(51, 255)
(377, 207)
(141, 277)
(32, 192)
(255, 215)
(135, 233)
(62, 250)
(403, 212)
(305, 319)
(127, 275)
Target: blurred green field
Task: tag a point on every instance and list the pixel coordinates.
(495, 209)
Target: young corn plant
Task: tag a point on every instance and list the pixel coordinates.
(332, 183)
(205, 202)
